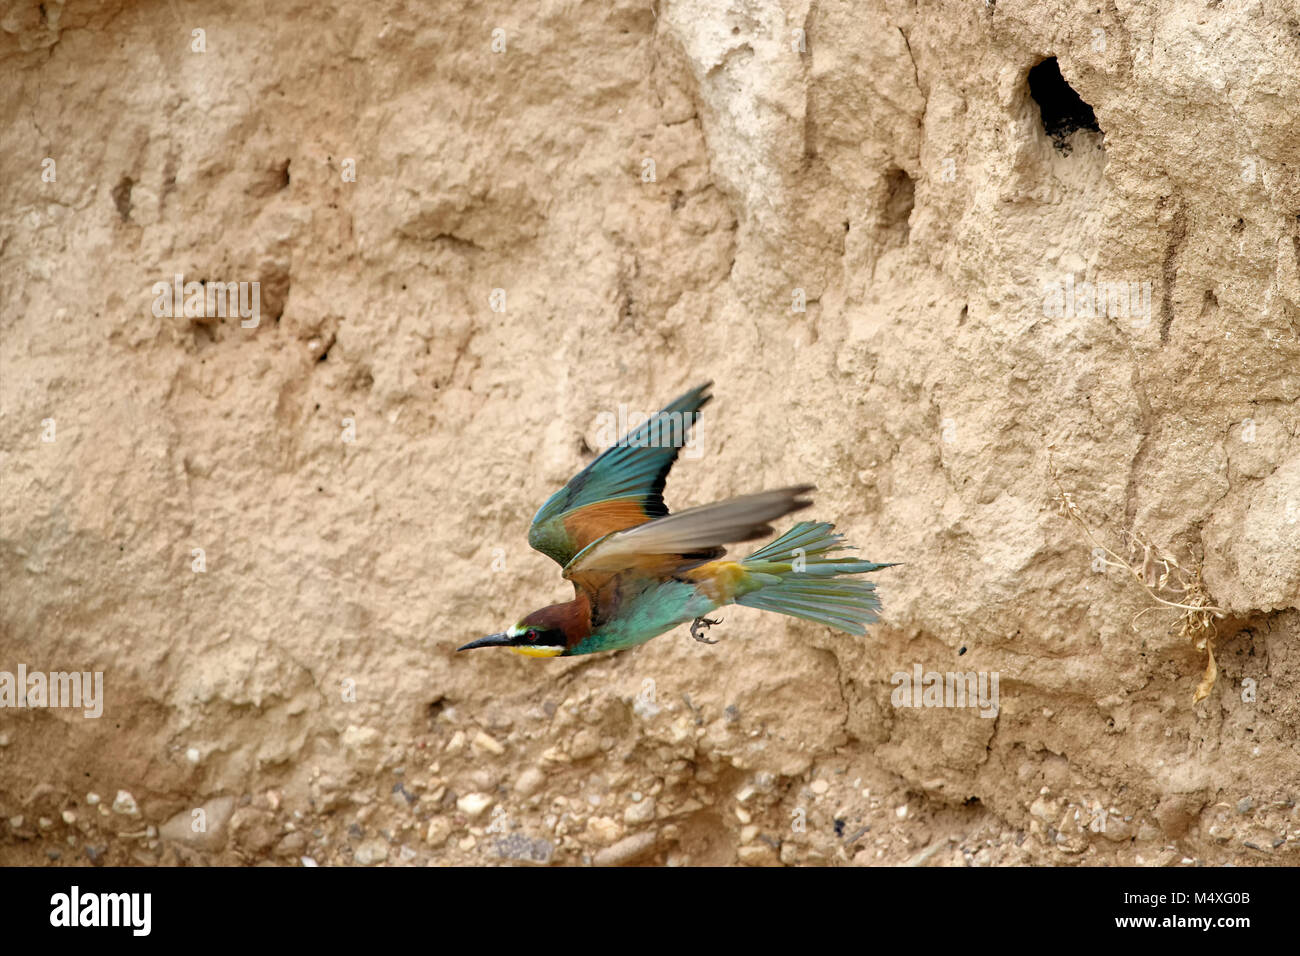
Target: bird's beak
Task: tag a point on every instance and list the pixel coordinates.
(492, 640)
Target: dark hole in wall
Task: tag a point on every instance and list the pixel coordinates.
(435, 706)
(1209, 303)
(900, 198)
(122, 197)
(1062, 109)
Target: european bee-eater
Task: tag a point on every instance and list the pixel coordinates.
(638, 571)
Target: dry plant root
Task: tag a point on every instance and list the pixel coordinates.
(1159, 573)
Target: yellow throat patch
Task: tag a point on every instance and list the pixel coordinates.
(543, 651)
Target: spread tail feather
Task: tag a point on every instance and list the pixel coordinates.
(805, 579)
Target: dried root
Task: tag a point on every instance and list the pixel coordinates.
(1171, 585)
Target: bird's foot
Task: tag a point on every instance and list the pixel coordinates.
(703, 623)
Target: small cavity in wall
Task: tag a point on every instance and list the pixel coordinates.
(1061, 108)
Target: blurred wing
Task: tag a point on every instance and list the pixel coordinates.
(665, 545)
(620, 489)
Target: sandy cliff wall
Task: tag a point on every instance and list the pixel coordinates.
(856, 217)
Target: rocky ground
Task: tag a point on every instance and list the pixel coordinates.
(631, 781)
(1015, 283)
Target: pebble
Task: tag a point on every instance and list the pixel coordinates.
(370, 852)
(308, 861)
(1043, 810)
(125, 804)
(529, 782)
(1244, 805)
(438, 832)
(819, 787)
(69, 817)
(586, 743)
(518, 847)
(486, 743)
(603, 829)
(473, 804)
(554, 755)
(216, 815)
(92, 799)
(758, 854)
(628, 850)
(16, 821)
(193, 755)
(641, 812)
(292, 844)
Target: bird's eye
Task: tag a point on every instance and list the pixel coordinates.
(532, 635)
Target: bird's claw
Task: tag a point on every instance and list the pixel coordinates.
(703, 623)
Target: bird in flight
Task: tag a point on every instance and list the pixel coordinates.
(638, 571)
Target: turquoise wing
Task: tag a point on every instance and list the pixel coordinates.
(620, 489)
